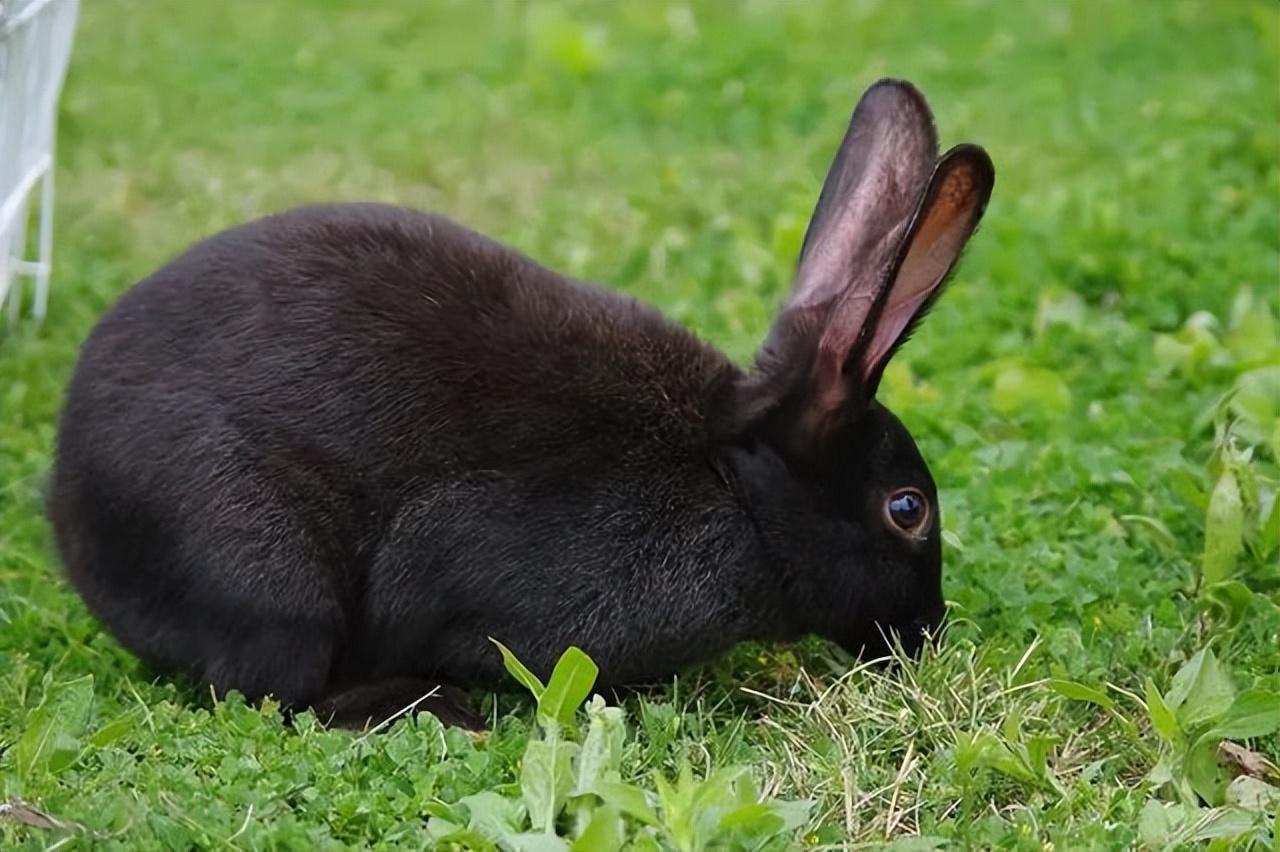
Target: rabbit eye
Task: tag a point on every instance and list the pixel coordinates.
(907, 510)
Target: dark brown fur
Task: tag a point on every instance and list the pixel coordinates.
(326, 454)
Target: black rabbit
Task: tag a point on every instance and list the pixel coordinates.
(327, 454)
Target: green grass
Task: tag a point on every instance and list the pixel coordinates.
(1067, 392)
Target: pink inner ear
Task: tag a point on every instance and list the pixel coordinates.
(845, 253)
(883, 165)
(847, 320)
(933, 250)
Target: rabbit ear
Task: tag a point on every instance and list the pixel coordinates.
(874, 183)
(887, 229)
(872, 187)
(948, 214)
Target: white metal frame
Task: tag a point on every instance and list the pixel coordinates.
(35, 46)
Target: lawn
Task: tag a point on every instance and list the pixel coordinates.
(1098, 395)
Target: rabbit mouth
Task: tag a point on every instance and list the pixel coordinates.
(882, 643)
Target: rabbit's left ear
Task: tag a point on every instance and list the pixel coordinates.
(947, 215)
(889, 226)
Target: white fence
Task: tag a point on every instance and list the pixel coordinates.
(35, 44)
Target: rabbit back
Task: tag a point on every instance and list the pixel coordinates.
(365, 438)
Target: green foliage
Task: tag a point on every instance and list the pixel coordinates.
(51, 741)
(1242, 514)
(1196, 800)
(1223, 530)
(1096, 395)
(569, 686)
(570, 795)
(517, 670)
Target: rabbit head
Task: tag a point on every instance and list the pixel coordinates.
(835, 482)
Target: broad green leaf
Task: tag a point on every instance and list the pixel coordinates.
(1201, 692)
(1253, 328)
(745, 792)
(717, 789)
(1162, 772)
(1254, 713)
(444, 832)
(1018, 388)
(1223, 823)
(605, 832)
(970, 751)
(1188, 487)
(794, 814)
(646, 841)
(1157, 822)
(1011, 726)
(762, 821)
(984, 750)
(50, 739)
(113, 730)
(601, 755)
(493, 816)
(1079, 692)
(569, 686)
(1060, 307)
(1252, 794)
(577, 47)
(1231, 598)
(1170, 353)
(629, 799)
(530, 842)
(1256, 402)
(439, 827)
(1004, 760)
(1156, 531)
(1223, 530)
(1269, 531)
(445, 811)
(1183, 679)
(1162, 718)
(673, 799)
(517, 670)
(1035, 753)
(1206, 775)
(1186, 793)
(546, 776)
(704, 801)
(745, 815)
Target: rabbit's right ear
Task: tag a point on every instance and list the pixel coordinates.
(874, 183)
(872, 187)
(888, 227)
